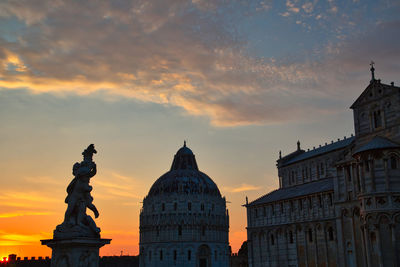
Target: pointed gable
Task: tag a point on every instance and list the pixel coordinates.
(374, 90)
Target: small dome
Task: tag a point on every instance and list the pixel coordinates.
(184, 177)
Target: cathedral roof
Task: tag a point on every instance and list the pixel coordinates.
(184, 177)
(377, 142)
(295, 191)
(318, 151)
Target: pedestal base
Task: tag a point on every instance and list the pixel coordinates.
(75, 252)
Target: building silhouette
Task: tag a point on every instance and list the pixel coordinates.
(105, 261)
(184, 220)
(337, 204)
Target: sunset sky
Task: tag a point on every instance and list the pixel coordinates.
(239, 80)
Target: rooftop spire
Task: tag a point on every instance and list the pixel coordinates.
(372, 69)
(298, 145)
(184, 143)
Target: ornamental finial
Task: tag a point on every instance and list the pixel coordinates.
(184, 143)
(372, 69)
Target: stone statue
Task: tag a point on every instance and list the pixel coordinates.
(76, 242)
(76, 222)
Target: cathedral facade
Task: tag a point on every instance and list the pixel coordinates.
(337, 204)
(184, 220)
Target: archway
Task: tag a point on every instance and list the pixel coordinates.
(204, 256)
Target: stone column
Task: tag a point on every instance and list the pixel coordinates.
(250, 250)
(372, 174)
(393, 232)
(353, 237)
(287, 247)
(379, 245)
(316, 245)
(367, 244)
(268, 248)
(305, 245)
(277, 247)
(297, 240)
(345, 182)
(385, 165)
(361, 168)
(326, 247)
(75, 251)
(340, 241)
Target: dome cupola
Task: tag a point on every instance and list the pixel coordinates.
(184, 177)
(184, 159)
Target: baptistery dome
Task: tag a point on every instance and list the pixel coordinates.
(184, 221)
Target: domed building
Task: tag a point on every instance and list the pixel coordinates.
(184, 220)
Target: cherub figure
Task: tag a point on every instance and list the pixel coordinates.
(79, 198)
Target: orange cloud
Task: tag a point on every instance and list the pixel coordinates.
(23, 213)
(13, 62)
(12, 239)
(242, 188)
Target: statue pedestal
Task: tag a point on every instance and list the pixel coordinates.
(75, 252)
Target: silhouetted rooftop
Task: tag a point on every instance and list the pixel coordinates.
(319, 151)
(377, 142)
(295, 191)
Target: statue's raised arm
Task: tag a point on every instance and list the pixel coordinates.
(76, 221)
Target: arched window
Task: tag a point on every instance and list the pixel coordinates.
(180, 230)
(310, 235)
(367, 166)
(272, 240)
(264, 211)
(291, 237)
(163, 206)
(377, 119)
(203, 230)
(202, 206)
(161, 255)
(330, 233)
(215, 254)
(393, 162)
(175, 206)
(150, 255)
(175, 255)
(189, 206)
(189, 255)
(373, 238)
